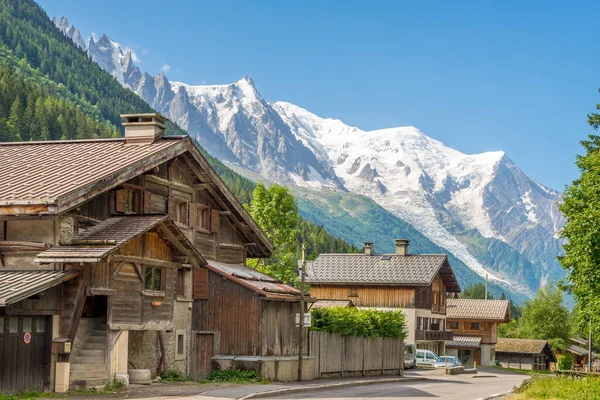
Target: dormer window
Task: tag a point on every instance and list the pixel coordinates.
(128, 201)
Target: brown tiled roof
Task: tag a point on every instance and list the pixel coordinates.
(520, 346)
(256, 281)
(580, 351)
(497, 310)
(121, 230)
(381, 269)
(45, 172)
(464, 342)
(55, 176)
(19, 285)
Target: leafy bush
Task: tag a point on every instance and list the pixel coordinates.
(354, 322)
(565, 362)
(233, 375)
(174, 376)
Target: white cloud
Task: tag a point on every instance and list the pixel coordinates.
(165, 67)
(134, 56)
(203, 82)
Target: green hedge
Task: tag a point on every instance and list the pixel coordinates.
(350, 321)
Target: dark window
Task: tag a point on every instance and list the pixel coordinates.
(353, 292)
(180, 344)
(203, 218)
(40, 325)
(28, 324)
(181, 209)
(1, 325)
(474, 326)
(454, 324)
(128, 201)
(181, 282)
(13, 325)
(153, 278)
(425, 324)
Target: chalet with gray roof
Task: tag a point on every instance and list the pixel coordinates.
(110, 253)
(418, 284)
(474, 323)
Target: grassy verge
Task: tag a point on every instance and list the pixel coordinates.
(558, 387)
(524, 371)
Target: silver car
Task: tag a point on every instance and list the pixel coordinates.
(447, 361)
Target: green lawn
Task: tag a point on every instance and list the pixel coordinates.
(558, 387)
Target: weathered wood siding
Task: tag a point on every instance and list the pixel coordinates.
(438, 295)
(130, 304)
(337, 355)
(367, 296)
(46, 303)
(279, 334)
(487, 330)
(233, 313)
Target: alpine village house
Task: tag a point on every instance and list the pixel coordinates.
(474, 323)
(123, 256)
(416, 284)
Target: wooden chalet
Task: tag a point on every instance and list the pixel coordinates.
(105, 262)
(474, 323)
(417, 284)
(529, 354)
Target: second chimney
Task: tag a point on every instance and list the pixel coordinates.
(143, 128)
(368, 248)
(401, 247)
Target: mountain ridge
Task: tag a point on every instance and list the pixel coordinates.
(480, 207)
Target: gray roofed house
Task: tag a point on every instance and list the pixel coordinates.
(385, 269)
(416, 284)
(479, 309)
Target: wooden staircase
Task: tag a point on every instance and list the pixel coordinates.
(74, 294)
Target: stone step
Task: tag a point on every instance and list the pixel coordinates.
(91, 353)
(88, 360)
(76, 375)
(88, 368)
(96, 339)
(87, 384)
(94, 346)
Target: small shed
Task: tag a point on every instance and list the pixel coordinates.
(245, 319)
(531, 354)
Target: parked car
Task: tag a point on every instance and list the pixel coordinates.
(426, 357)
(410, 356)
(447, 361)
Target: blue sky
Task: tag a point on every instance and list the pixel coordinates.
(478, 76)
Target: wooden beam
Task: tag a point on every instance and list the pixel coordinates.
(173, 239)
(171, 184)
(225, 213)
(145, 261)
(201, 186)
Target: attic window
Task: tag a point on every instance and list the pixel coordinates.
(386, 258)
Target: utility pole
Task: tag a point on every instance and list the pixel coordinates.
(486, 285)
(590, 349)
(301, 336)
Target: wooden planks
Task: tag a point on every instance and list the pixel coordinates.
(337, 355)
(367, 296)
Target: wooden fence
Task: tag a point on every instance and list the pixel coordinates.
(337, 355)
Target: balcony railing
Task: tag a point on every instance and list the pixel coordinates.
(433, 335)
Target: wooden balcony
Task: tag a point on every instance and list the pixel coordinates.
(433, 335)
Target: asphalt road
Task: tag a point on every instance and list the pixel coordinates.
(451, 388)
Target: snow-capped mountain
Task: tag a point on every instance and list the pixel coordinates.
(70, 31)
(482, 208)
(447, 195)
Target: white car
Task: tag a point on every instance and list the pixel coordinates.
(426, 357)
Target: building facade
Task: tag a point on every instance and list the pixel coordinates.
(474, 323)
(105, 252)
(416, 284)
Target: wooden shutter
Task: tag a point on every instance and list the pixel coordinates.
(147, 202)
(120, 200)
(171, 209)
(193, 216)
(214, 221)
(200, 283)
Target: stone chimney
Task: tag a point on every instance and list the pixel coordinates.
(143, 128)
(401, 247)
(368, 248)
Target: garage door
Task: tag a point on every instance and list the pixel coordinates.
(23, 353)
